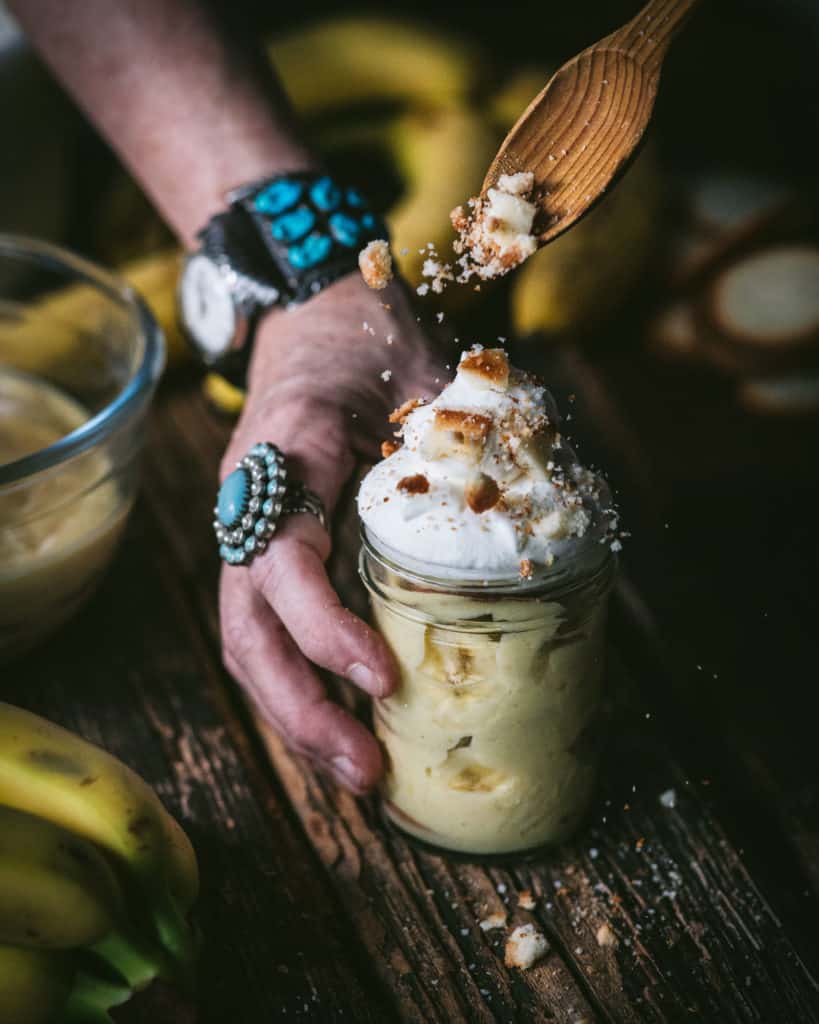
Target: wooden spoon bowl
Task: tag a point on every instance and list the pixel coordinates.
(579, 132)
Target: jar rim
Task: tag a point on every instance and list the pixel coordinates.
(474, 583)
(137, 389)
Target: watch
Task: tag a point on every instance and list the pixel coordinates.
(280, 241)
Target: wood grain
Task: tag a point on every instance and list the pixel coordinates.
(314, 907)
(580, 131)
(684, 905)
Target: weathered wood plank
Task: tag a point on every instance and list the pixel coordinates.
(676, 956)
(136, 674)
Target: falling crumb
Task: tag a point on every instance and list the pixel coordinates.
(526, 569)
(526, 901)
(422, 289)
(386, 374)
(492, 922)
(605, 936)
(616, 546)
(669, 799)
(524, 947)
(375, 263)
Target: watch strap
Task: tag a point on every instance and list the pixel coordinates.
(233, 243)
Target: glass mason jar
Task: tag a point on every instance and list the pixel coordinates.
(80, 357)
(491, 738)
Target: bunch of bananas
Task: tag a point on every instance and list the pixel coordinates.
(96, 879)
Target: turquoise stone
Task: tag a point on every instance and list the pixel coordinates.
(278, 197)
(325, 194)
(368, 221)
(272, 488)
(293, 225)
(344, 228)
(314, 249)
(231, 504)
(355, 198)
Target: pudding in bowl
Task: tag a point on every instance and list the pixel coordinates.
(80, 356)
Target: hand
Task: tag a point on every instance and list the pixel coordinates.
(316, 390)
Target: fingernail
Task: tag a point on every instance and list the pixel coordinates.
(365, 678)
(348, 772)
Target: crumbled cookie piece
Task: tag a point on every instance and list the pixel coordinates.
(496, 234)
(375, 262)
(492, 921)
(482, 493)
(488, 367)
(455, 433)
(400, 414)
(417, 484)
(472, 425)
(605, 936)
(526, 900)
(389, 448)
(526, 569)
(524, 947)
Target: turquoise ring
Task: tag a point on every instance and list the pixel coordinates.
(252, 500)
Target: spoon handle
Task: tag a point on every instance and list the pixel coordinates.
(646, 37)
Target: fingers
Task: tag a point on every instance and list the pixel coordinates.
(288, 692)
(292, 579)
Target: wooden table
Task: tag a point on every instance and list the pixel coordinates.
(312, 908)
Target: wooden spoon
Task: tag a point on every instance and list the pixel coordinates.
(582, 128)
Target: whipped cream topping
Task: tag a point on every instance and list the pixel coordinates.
(484, 482)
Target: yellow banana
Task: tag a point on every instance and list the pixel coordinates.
(57, 890)
(47, 771)
(344, 62)
(436, 182)
(580, 277)
(34, 985)
(53, 342)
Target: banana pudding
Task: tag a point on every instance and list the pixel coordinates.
(485, 553)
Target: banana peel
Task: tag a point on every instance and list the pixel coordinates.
(580, 278)
(348, 61)
(34, 985)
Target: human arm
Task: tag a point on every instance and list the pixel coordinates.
(193, 114)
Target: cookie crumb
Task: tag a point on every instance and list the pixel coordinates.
(389, 448)
(375, 263)
(526, 569)
(417, 484)
(605, 936)
(524, 947)
(526, 901)
(492, 922)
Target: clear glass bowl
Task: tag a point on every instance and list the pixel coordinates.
(80, 357)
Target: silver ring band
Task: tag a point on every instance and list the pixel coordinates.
(252, 501)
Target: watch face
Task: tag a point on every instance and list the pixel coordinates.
(207, 309)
